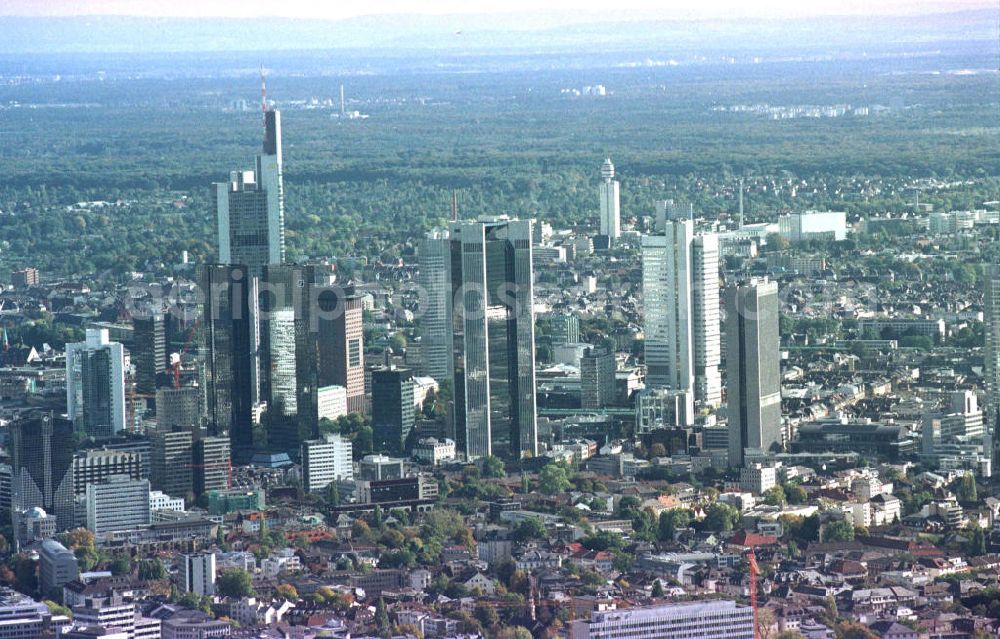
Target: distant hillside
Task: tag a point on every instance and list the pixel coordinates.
(539, 32)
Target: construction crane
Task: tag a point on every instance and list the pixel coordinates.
(177, 358)
(754, 574)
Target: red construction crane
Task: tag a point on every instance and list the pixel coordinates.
(754, 574)
(176, 358)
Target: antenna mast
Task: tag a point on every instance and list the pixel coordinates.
(454, 206)
(741, 203)
(263, 96)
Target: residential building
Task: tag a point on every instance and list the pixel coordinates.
(24, 278)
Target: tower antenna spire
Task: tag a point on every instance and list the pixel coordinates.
(263, 96)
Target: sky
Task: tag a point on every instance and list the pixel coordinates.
(340, 9)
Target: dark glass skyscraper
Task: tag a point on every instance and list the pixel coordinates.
(149, 351)
(286, 318)
(490, 329)
(228, 353)
(392, 409)
(41, 450)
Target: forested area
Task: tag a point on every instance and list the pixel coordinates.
(506, 142)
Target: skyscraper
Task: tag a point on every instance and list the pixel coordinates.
(489, 275)
(341, 349)
(41, 449)
(610, 202)
(229, 353)
(680, 282)
(991, 312)
(95, 384)
(172, 458)
(392, 409)
(286, 318)
(436, 351)
(149, 350)
(250, 207)
(753, 372)
(705, 319)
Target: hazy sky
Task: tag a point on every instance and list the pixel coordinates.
(335, 9)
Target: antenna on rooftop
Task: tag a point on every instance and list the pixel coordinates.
(741, 203)
(263, 95)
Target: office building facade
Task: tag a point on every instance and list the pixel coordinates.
(753, 369)
(172, 460)
(393, 411)
(120, 503)
(326, 460)
(148, 351)
(41, 449)
(492, 326)
(717, 619)
(212, 464)
(95, 384)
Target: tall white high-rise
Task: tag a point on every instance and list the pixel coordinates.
(95, 384)
(680, 281)
(610, 202)
(705, 319)
(753, 370)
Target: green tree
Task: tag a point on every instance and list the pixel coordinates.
(554, 479)
(486, 615)
(234, 582)
(975, 546)
(967, 488)
(720, 518)
(657, 590)
(670, 521)
(530, 528)
(493, 467)
(382, 617)
(152, 569)
(120, 565)
(842, 530)
(775, 496)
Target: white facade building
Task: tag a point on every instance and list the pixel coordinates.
(197, 573)
(680, 283)
(331, 402)
(95, 384)
(120, 503)
(813, 225)
(326, 460)
(611, 214)
(159, 500)
(695, 620)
